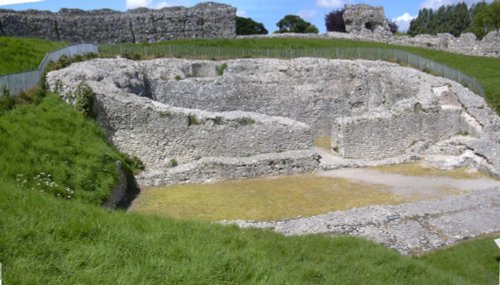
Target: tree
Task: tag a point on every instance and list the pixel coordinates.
(494, 15)
(393, 26)
(295, 24)
(480, 19)
(335, 21)
(247, 26)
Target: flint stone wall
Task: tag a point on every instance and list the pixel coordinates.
(366, 19)
(315, 92)
(212, 169)
(158, 133)
(205, 20)
(465, 44)
(376, 136)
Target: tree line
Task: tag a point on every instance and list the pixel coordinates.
(479, 19)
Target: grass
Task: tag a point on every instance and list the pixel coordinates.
(52, 148)
(24, 54)
(485, 69)
(324, 142)
(46, 240)
(264, 199)
(418, 169)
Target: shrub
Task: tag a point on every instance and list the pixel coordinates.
(7, 102)
(335, 21)
(247, 26)
(84, 100)
(220, 69)
(295, 24)
(192, 120)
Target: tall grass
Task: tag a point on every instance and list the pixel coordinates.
(24, 54)
(49, 241)
(52, 148)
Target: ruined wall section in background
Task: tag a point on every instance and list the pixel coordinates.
(205, 20)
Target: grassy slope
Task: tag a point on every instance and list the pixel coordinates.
(49, 241)
(21, 54)
(485, 69)
(53, 139)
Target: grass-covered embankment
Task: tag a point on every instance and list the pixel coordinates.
(52, 148)
(46, 240)
(24, 54)
(485, 69)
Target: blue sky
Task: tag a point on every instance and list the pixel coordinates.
(267, 11)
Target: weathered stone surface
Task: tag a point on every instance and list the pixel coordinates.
(212, 169)
(205, 20)
(383, 112)
(366, 19)
(412, 228)
(355, 136)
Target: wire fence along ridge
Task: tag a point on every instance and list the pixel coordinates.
(393, 55)
(19, 82)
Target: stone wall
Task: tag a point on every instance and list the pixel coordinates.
(212, 169)
(242, 109)
(205, 20)
(465, 44)
(365, 19)
(376, 136)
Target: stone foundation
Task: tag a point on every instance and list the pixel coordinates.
(174, 111)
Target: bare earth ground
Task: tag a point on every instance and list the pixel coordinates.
(413, 187)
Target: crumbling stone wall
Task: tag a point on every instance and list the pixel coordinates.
(205, 20)
(382, 135)
(242, 113)
(366, 19)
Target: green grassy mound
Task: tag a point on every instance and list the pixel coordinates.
(24, 54)
(46, 240)
(485, 69)
(52, 148)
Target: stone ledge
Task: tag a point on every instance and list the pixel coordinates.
(212, 169)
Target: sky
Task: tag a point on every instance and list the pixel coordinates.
(268, 12)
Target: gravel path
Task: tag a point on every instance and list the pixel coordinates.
(412, 228)
(406, 185)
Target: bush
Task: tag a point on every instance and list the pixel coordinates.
(7, 102)
(247, 26)
(84, 100)
(295, 24)
(393, 26)
(335, 21)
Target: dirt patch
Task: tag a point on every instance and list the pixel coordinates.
(262, 199)
(421, 186)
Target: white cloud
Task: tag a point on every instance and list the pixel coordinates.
(435, 4)
(14, 2)
(241, 13)
(132, 4)
(403, 21)
(307, 14)
(330, 3)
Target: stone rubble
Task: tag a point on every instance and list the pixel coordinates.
(412, 228)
